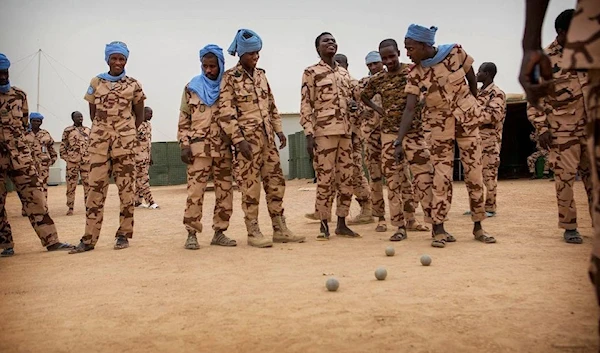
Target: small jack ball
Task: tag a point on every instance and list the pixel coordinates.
(389, 251)
(381, 273)
(425, 260)
(332, 284)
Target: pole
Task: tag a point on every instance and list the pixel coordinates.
(38, 78)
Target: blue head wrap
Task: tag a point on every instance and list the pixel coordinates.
(36, 115)
(4, 65)
(208, 90)
(422, 34)
(114, 48)
(373, 57)
(245, 41)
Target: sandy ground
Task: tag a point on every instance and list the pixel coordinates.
(527, 293)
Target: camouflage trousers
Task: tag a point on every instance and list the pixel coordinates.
(43, 172)
(360, 184)
(418, 159)
(142, 181)
(74, 171)
(122, 168)
(334, 167)
(490, 162)
(373, 161)
(532, 160)
(264, 166)
(444, 132)
(198, 174)
(569, 155)
(19, 167)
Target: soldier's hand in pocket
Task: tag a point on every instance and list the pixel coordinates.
(244, 148)
(186, 155)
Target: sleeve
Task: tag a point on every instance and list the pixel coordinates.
(538, 118)
(370, 89)
(64, 143)
(307, 103)
(185, 122)
(25, 110)
(138, 94)
(493, 112)
(51, 150)
(275, 117)
(90, 94)
(227, 112)
(466, 60)
(412, 84)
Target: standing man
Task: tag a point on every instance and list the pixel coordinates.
(360, 184)
(493, 111)
(327, 93)
(249, 116)
(561, 126)
(74, 150)
(143, 161)
(42, 150)
(205, 150)
(17, 164)
(390, 85)
(117, 110)
(453, 115)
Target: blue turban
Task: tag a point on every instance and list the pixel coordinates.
(116, 48)
(373, 57)
(36, 115)
(208, 90)
(4, 62)
(245, 41)
(422, 34)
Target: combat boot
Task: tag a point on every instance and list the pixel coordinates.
(365, 216)
(281, 233)
(255, 237)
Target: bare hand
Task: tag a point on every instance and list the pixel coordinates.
(186, 155)
(244, 148)
(310, 146)
(534, 89)
(546, 140)
(399, 153)
(282, 139)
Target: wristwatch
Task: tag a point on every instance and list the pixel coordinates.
(397, 143)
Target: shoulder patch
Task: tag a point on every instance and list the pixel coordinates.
(90, 90)
(237, 73)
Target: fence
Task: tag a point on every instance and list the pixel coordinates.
(168, 169)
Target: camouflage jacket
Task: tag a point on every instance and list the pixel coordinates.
(199, 128)
(74, 144)
(326, 94)
(560, 112)
(144, 136)
(246, 104)
(113, 127)
(42, 148)
(492, 101)
(14, 114)
(582, 50)
(369, 119)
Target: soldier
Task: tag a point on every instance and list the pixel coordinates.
(539, 153)
(390, 86)
(16, 163)
(581, 52)
(249, 116)
(42, 150)
(143, 161)
(493, 103)
(360, 184)
(327, 93)
(452, 115)
(205, 150)
(560, 124)
(74, 150)
(117, 110)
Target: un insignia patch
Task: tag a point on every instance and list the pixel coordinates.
(90, 90)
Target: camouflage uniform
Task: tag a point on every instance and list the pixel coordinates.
(112, 152)
(211, 151)
(16, 162)
(324, 114)
(143, 156)
(44, 155)
(452, 115)
(493, 111)
(391, 87)
(564, 115)
(539, 153)
(360, 184)
(371, 131)
(74, 150)
(247, 111)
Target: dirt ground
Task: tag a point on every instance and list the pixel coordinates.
(527, 293)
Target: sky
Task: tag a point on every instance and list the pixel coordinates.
(164, 38)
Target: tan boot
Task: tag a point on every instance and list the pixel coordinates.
(281, 233)
(365, 216)
(255, 237)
